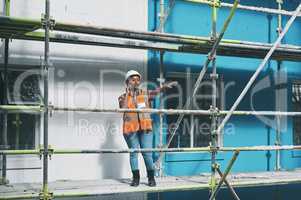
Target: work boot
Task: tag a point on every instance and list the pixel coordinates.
(151, 178)
(136, 178)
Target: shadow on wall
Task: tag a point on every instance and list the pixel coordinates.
(112, 165)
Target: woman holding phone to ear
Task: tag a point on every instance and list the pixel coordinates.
(137, 127)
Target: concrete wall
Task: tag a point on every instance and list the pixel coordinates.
(81, 76)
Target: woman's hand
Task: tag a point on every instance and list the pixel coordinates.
(170, 84)
(121, 101)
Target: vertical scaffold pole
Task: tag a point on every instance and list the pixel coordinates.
(5, 99)
(161, 107)
(278, 118)
(161, 81)
(213, 75)
(47, 25)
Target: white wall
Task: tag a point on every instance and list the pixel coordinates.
(76, 80)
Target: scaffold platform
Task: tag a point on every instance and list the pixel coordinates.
(76, 188)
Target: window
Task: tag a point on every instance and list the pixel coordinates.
(194, 130)
(21, 129)
(296, 101)
(23, 88)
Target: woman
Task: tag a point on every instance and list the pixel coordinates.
(137, 127)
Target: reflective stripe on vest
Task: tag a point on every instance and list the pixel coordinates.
(133, 122)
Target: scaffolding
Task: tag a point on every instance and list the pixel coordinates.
(29, 29)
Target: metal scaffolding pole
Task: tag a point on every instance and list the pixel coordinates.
(21, 109)
(161, 79)
(261, 66)
(278, 118)
(5, 99)
(47, 23)
(161, 82)
(228, 184)
(30, 25)
(175, 111)
(117, 151)
(22, 29)
(39, 109)
(223, 179)
(250, 8)
(161, 16)
(166, 15)
(213, 75)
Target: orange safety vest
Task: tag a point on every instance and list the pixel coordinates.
(132, 121)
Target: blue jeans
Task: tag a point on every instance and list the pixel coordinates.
(140, 140)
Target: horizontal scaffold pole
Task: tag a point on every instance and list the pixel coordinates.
(118, 151)
(17, 28)
(18, 197)
(177, 111)
(29, 109)
(244, 7)
(20, 107)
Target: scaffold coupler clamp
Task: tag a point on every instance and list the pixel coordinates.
(50, 151)
(50, 23)
(211, 56)
(162, 17)
(46, 196)
(40, 151)
(43, 64)
(215, 166)
(279, 30)
(42, 108)
(161, 80)
(212, 38)
(277, 143)
(216, 3)
(50, 109)
(214, 149)
(214, 76)
(4, 181)
(214, 111)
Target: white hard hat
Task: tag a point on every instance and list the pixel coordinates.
(132, 73)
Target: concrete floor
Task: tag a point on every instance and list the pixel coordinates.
(106, 187)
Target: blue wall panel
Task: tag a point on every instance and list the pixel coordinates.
(195, 19)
